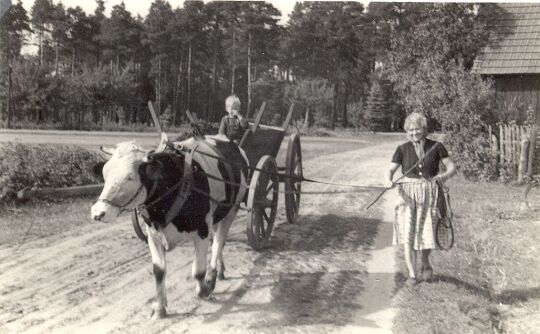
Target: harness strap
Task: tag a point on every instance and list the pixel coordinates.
(185, 188)
(122, 207)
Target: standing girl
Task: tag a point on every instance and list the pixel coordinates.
(416, 211)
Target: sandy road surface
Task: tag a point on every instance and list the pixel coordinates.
(332, 272)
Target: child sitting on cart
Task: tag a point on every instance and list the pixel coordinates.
(233, 125)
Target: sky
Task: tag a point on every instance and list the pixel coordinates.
(141, 6)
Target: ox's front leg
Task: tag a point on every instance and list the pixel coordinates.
(159, 265)
(199, 264)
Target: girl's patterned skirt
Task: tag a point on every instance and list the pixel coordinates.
(417, 213)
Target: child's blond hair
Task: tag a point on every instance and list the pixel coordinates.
(232, 102)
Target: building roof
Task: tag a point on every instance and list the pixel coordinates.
(515, 47)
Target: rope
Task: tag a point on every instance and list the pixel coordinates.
(294, 177)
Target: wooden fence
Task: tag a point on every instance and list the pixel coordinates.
(514, 145)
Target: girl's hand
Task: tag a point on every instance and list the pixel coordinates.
(388, 184)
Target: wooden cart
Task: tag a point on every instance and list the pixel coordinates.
(262, 144)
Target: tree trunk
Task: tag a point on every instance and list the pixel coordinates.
(188, 102)
(9, 110)
(344, 116)
(214, 80)
(248, 75)
(233, 66)
(177, 89)
(41, 45)
(81, 117)
(158, 85)
(56, 51)
(334, 106)
(72, 61)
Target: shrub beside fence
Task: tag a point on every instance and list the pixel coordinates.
(514, 146)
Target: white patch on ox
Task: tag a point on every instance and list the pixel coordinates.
(169, 236)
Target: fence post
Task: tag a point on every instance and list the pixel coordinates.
(523, 160)
(501, 143)
(532, 145)
(494, 150)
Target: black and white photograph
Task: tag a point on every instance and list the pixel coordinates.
(314, 167)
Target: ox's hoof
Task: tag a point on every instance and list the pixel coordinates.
(210, 279)
(160, 313)
(203, 291)
(221, 276)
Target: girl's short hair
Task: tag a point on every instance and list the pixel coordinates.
(415, 118)
(232, 101)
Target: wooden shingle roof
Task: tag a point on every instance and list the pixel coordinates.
(515, 48)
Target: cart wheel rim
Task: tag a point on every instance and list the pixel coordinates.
(293, 184)
(262, 200)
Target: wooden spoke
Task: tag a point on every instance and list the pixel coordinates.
(263, 230)
(270, 188)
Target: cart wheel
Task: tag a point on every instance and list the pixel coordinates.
(262, 200)
(293, 185)
(532, 196)
(139, 226)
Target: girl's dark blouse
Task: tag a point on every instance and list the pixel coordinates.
(405, 155)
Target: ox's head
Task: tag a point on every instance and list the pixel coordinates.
(123, 189)
(130, 175)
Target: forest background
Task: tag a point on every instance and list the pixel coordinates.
(343, 64)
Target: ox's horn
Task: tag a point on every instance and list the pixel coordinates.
(163, 142)
(106, 150)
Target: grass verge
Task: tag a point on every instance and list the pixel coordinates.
(489, 282)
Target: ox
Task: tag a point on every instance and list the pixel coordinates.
(191, 193)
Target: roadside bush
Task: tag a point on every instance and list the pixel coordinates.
(44, 165)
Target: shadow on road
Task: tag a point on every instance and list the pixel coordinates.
(327, 296)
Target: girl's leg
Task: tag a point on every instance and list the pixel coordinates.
(427, 271)
(410, 260)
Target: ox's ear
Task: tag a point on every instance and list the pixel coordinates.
(98, 168)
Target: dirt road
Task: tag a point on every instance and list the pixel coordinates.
(331, 272)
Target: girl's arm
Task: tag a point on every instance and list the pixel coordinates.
(389, 174)
(449, 172)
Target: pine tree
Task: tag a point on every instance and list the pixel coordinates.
(377, 113)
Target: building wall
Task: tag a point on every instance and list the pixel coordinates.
(516, 94)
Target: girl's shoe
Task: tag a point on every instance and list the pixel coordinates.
(410, 282)
(427, 273)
